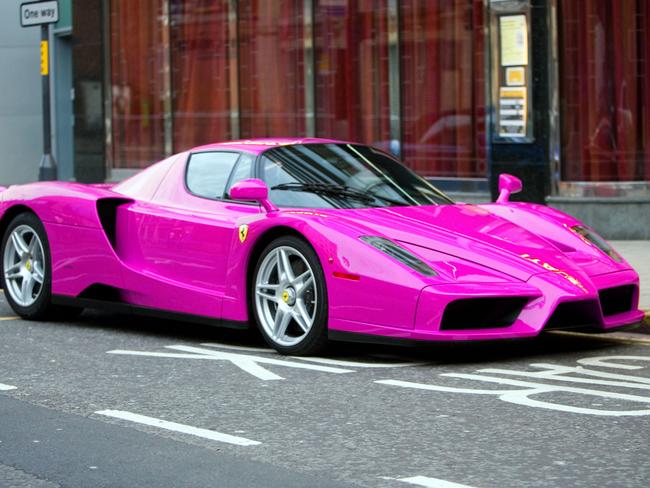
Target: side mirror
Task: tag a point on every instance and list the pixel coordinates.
(508, 184)
(253, 190)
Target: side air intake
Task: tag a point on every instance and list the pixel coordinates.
(107, 213)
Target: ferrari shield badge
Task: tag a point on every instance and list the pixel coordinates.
(243, 232)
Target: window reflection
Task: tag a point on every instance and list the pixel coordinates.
(137, 82)
(352, 100)
(604, 88)
(271, 70)
(443, 86)
(200, 72)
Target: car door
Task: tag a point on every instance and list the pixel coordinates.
(181, 238)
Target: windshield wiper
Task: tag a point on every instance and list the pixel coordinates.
(325, 189)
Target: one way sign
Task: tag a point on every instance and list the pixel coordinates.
(39, 13)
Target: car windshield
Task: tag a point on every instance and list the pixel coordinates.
(342, 176)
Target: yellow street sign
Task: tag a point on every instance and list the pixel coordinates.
(45, 58)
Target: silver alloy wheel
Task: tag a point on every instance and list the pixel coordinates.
(23, 265)
(285, 296)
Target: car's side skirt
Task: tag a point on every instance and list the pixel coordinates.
(127, 308)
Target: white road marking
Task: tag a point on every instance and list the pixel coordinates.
(557, 372)
(526, 389)
(333, 362)
(182, 428)
(4, 387)
(246, 362)
(356, 364)
(605, 361)
(238, 348)
(429, 482)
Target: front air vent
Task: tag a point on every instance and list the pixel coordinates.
(482, 313)
(617, 300)
(571, 315)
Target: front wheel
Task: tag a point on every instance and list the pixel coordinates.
(26, 270)
(289, 298)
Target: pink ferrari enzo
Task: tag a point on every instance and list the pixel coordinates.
(311, 239)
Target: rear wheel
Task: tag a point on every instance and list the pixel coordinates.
(26, 269)
(289, 298)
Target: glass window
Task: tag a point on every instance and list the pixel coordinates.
(271, 69)
(137, 82)
(351, 57)
(443, 87)
(200, 72)
(605, 89)
(208, 172)
(243, 170)
(342, 176)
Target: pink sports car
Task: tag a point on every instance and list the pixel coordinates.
(311, 239)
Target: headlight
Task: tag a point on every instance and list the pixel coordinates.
(399, 253)
(590, 236)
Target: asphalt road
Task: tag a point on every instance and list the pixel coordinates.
(115, 401)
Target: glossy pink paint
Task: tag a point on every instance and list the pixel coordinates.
(178, 252)
(253, 190)
(508, 185)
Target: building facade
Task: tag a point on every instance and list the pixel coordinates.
(554, 91)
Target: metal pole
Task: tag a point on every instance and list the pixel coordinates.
(47, 166)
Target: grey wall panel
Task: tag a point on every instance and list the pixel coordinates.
(20, 98)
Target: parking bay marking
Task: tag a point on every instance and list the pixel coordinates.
(251, 364)
(555, 373)
(176, 427)
(4, 387)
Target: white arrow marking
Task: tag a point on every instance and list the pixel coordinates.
(184, 429)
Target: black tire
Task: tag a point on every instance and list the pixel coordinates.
(42, 307)
(316, 339)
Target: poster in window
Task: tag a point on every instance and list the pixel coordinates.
(513, 39)
(512, 111)
(515, 76)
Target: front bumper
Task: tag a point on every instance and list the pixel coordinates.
(544, 293)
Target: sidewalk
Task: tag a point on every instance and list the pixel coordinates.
(637, 254)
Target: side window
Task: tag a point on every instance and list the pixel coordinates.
(208, 172)
(242, 171)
